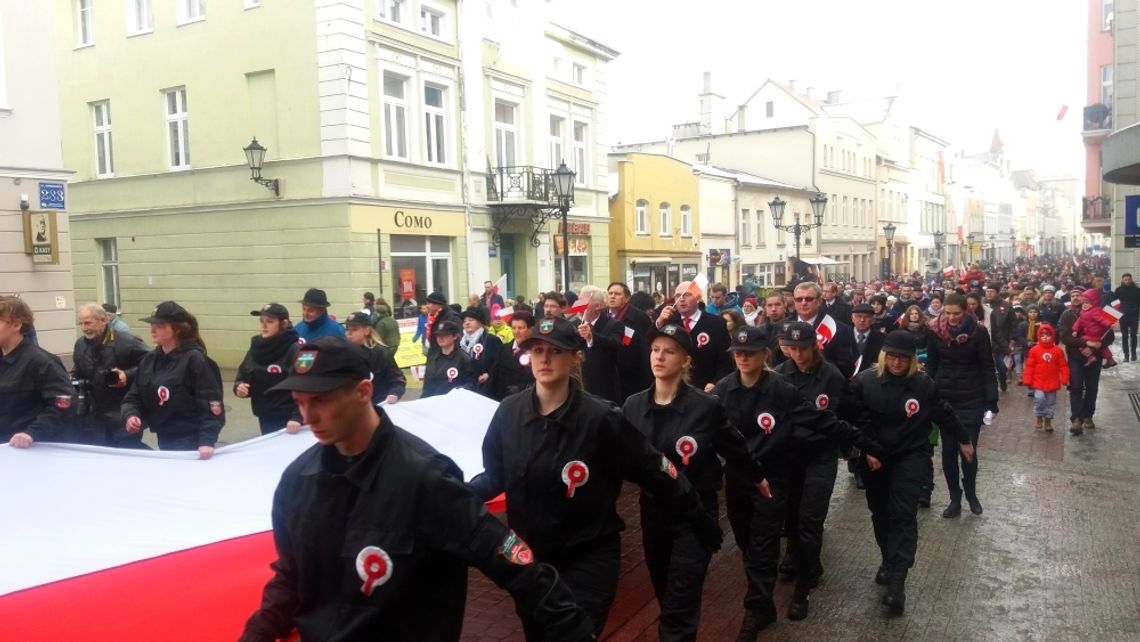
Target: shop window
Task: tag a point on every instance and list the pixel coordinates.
(420, 265)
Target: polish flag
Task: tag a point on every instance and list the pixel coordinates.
(858, 364)
(628, 338)
(500, 286)
(506, 313)
(579, 308)
(90, 552)
(1112, 311)
(699, 284)
(948, 271)
(1061, 113)
(826, 331)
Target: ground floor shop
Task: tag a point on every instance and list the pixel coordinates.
(655, 274)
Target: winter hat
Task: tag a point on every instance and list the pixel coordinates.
(1045, 328)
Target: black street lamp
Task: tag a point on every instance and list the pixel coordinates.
(818, 206)
(255, 158)
(939, 243)
(970, 247)
(889, 234)
(564, 190)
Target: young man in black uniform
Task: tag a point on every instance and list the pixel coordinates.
(708, 332)
(106, 363)
(35, 392)
(375, 529)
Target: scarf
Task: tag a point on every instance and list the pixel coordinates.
(469, 340)
(271, 350)
(1032, 334)
(955, 333)
(913, 326)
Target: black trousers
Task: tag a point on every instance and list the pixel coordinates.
(1128, 325)
(892, 496)
(102, 430)
(677, 564)
(952, 454)
(928, 473)
(181, 441)
(803, 521)
(590, 571)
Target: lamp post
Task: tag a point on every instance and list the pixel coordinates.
(564, 190)
(818, 206)
(939, 243)
(889, 234)
(255, 158)
(1012, 245)
(993, 247)
(970, 247)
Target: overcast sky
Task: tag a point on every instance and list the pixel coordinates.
(967, 67)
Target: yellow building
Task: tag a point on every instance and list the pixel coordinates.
(655, 232)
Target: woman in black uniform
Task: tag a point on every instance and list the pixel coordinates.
(178, 391)
(820, 384)
(561, 455)
(780, 429)
(512, 369)
(895, 404)
(35, 391)
(688, 427)
(388, 381)
(271, 352)
(448, 366)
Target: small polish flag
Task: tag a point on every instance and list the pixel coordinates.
(506, 313)
(1061, 114)
(1112, 312)
(699, 284)
(578, 308)
(628, 338)
(948, 271)
(826, 331)
(858, 364)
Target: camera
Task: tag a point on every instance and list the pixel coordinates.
(82, 396)
(110, 378)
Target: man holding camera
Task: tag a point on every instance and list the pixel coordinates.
(105, 364)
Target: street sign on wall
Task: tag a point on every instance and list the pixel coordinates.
(1131, 220)
(52, 196)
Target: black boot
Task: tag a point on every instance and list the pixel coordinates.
(954, 508)
(882, 576)
(788, 564)
(970, 490)
(895, 599)
(754, 621)
(924, 494)
(798, 609)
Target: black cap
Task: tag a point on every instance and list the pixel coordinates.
(437, 298)
(900, 342)
(674, 332)
(863, 308)
(275, 310)
(750, 339)
(111, 307)
(168, 312)
(477, 313)
(316, 298)
(447, 327)
(799, 334)
(558, 332)
(360, 317)
(326, 363)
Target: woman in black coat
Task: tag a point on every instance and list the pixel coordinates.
(961, 362)
(271, 353)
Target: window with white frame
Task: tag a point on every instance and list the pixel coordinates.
(759, 227)
(177, 128)
(1106, 84)
(431, 21)
(395, 116)
(686, 220)
(140, 17)
(578, 74)
(84, 22)
(745, 227)
(641, 217)
(191, 10)
(1105, 15)
(109, 270)
(393, 10)
(581, 158)
(666, 212)
(557, 127)
(435, 124)
(104, 152)
(506, 133)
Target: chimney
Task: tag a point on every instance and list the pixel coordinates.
(792, 85)
(833, 97)
(740, 118)
(711, 108)
(809, 94)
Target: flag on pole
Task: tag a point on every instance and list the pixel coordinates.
(501, 285)
(826, 331)
(699, 284)
(578, 308)
(1112, 311)
(628, 338)
(858, 364)
(505, 313)
(948, 271)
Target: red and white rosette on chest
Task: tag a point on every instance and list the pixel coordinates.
(574, 474)
(163, 395)
(822, 402)
(273, 368)
(374, 567)
(452, 373)
(766, 422)
(686, 448)
(477, 350)
(702, 339)
(912, 407)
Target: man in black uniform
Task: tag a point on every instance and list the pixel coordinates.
(512, 370)
(603, 337)
(375, 529)
(711, 361)
(105, 365)
(633, 356)
(35, 391)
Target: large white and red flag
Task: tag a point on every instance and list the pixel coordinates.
(501, 285)
(102, 544)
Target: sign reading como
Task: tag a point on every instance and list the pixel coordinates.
(411, 221)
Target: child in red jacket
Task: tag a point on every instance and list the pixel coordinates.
(1046, 370)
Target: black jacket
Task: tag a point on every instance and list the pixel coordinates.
(404, 504)
(512, 372)
(445, 314)
(535, 458)
(963, 369)
(872, 345)
(633, 359)
(387, 377)
(600, 368)
(1050, 312)
(711, 360)
(897, 412)
(265, 365)
(179, 393)
(840, 351)
(1129, 296)
(693, 425)
(823, 387)
(1001, 323)
(838, 310)
(483, 356)
(446, 372)
(94, 358)
(35, 393)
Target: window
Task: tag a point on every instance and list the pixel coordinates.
(641, 213)
(140, 17)
(177, 128)
(581, 169)
(109, 269)
(769, 109)
(701, 159)
(431, 22)
(395, 117)
(392, 10)
(557, 124)
(759, 227)
(191, 11)
(686, 220)
(1106, 84)
(506, 133)
(435, 130)
(578, 74)
(666, 219)
(104, 156)
(846, 219)
(745, 227)
(1106, 15)
(84, 23)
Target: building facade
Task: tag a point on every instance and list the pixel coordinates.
(1100, 100)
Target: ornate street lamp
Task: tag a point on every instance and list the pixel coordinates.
(889, 235)
(564, 190)
(255, 158)
(818, 207)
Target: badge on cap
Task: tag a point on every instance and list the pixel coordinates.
(63, 402)
(301, 340)
(273, 368)
(575, 474)
(821, 402)
(742, 337)
(670, 330)
(515, 550)
(686, 448)
(216, 408)
(163, 395)
(546, 326)
(304, 361)
(702, 339)
(374, 567)
(452, 373)
(911, 407)
(794, 335)
(766, 422)
(477, 349)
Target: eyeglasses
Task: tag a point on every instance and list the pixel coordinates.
(804, 299)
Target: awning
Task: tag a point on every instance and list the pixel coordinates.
(821, 260)
(650, 259)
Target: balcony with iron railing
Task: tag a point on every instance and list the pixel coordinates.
(520, 185)
(1098, 120)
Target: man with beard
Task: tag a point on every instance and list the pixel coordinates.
(105, 366)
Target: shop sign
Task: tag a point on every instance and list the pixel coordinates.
(41, 238)
(576, 228)
(720, 257)
(410, 221)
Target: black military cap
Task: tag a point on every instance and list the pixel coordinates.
(750, 339)
(477, 313)
(275, 310)
(863, 308)
(168, 312)
(799, 334)
(674, 332)
(900, 342)
(360, 317)
(447, 327)
(558, 332)
(316, 298)
(326, 363)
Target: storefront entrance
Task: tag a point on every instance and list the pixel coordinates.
(420, 265)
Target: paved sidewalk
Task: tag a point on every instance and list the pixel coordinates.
(1055, 556)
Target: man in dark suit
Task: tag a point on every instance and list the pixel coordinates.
(709, 334)
(834, 305)
(868, 340)
(603, 337)
(633, 355)
(839, 349)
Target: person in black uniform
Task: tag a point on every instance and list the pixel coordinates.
(779, 427)
(271, 351)
(448, 367)
(374, 528)
(708, 331)
(388, 381)
(895, 404)
(481, 347)
(688, 427)
(820, 384)
(178, 392)
(561, 455)
(512, 370)
(603, 337)
(35, 392)
(105, 364)
(634, 351)
(438, 311)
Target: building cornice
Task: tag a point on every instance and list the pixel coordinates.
(36, 172)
